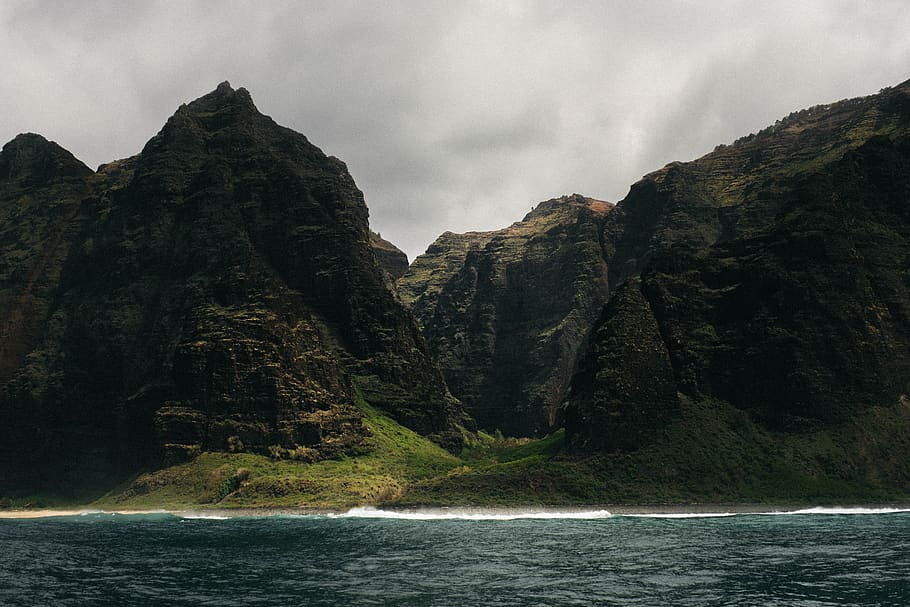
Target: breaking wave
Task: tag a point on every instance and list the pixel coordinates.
(842, 510)
(472, 514)
(817, 510)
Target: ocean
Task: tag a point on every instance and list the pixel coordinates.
(367, 557)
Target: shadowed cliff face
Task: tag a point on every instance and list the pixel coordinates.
(774, 272)
(218, 291)
(41, 186)
(506, 312)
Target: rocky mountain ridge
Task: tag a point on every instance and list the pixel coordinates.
(218, 291)
(505, 312)
(773, 270)
(756, 298)
(752, 338)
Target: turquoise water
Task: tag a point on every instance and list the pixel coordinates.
(593, 559)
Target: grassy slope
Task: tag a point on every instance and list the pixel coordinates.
(714, 453)
(393, 458)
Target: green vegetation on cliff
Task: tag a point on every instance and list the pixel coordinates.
(386, 463)
(710, 453)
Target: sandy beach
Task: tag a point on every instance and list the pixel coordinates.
(597, 511)
(23, 514)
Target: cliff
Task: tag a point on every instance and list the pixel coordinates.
(769, 276)
(216, 292)
(753, 342)
(41, 186)
(506, 312)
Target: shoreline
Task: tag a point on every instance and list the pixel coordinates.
(700, 510)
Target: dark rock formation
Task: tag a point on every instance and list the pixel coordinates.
(391, 259)
(41, 186)
(216, 292)
(774, 273)
(627, 372)
(506, 312)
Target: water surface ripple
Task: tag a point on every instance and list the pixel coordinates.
(804, 560)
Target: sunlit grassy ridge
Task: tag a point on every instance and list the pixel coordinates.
(392, 459)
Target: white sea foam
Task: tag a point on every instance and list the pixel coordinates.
(467, 514)
(841, 510)
(681, 514)
(817, 510)
(471, 514)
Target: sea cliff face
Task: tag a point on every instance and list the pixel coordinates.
(770, 274)
(506, 312)
(218, 291)
(752, 334)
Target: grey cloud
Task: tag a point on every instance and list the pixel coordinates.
(514, 132)
(450, 115)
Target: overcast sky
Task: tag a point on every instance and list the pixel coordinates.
(454, 115)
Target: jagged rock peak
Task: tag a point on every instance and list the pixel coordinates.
(226, 123)
(227, 297)
(220, 109)
(32, 158)
(224, 96)
(572, 200)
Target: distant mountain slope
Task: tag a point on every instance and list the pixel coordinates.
(505, 312)
(216, 292)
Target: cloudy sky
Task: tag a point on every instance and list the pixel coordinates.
(453, 115)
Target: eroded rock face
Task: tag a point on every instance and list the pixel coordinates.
(506, 312)
(216, 292)
(41, 187)
(627, 372)
(774, 272)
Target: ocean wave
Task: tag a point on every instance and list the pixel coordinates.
(675, 515)
(471, 514)
(815, 510)
(840, 510)
(465, 514)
